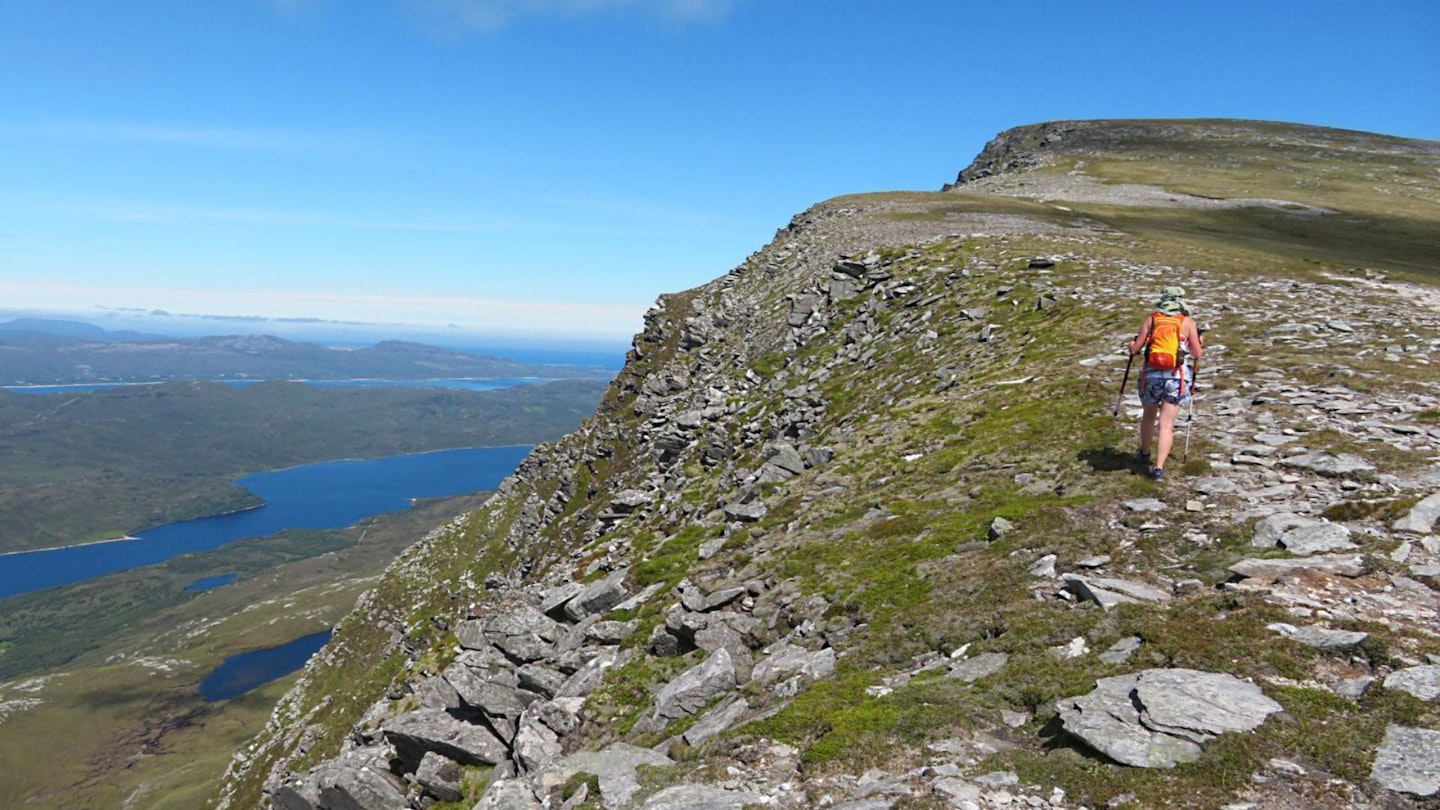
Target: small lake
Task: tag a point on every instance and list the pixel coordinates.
(329, 495)
(241, 673)
(456, 384)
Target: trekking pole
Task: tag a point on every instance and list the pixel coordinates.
(1190, 420)
(1120, 397)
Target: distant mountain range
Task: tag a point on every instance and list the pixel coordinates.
(35, 351)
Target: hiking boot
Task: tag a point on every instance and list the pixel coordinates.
(1157, 475)
(1142, 459)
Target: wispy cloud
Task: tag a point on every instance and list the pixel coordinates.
(605, 218)
(141, 212)
(361, 307)
(491, 14)
(193, 136)
(639, 212)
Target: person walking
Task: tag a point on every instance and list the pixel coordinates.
(1167, 337)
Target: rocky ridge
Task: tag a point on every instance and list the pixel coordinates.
(657, 605)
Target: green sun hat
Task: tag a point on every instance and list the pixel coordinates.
(1172, 301)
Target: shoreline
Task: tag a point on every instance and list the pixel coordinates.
(22, 388)
(124, 539)
(136, 536)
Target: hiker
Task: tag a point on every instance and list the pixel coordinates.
(1167, 337)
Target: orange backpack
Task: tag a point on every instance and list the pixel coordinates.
(1162, 350)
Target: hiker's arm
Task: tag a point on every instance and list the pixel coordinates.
(1197, 343)
(1141, 336)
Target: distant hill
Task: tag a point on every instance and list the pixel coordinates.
(37, 351)
(55, 327)
(82, 467)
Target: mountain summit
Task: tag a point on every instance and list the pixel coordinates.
(857, 525)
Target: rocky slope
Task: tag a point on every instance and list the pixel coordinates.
(856, 528)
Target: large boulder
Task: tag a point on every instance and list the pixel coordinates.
(694, 689)
(356, 780)
(416, 733)
(598, 597)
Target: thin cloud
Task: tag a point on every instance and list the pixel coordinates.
(365, 306)
(129, 211)
(642, 222)
(492, 14)
(200, 137)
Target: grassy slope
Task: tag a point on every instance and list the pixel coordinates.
(90, 467)
(938, 462)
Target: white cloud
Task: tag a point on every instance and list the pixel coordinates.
(490, 14)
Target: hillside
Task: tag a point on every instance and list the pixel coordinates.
(94, 466)
(39, 352)
(854, 528)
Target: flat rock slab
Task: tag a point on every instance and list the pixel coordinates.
(699, 797)
(1321, 638)
(619, 758)
(508, 794)
(716, 721)
(1159, 718)
(1408, 761)
(790, 659)
(1146, 505)
(1423, 682)
(745, 512)
(1341, 466)
(1270, 528)
(1120, 651)
(1345, 565)
(1107, 592)
(1315, 539)
(1214, 485)
(973, 669)
(1422, 517)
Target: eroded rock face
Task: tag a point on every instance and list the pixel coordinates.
(1159, 718)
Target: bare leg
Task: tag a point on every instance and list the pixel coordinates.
(1147, 430)
(1168, 412)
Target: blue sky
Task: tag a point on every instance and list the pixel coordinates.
(548, 167)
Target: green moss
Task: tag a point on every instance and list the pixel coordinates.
(672, 558)
(768, 364)
(1384, 509)
(1222, 633)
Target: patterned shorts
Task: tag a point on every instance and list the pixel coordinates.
(1158, 388)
